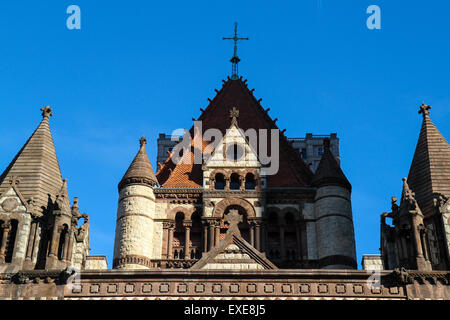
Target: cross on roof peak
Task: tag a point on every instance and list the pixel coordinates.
(235, 59)
(424, 109)
(234, 115)
(46, 112)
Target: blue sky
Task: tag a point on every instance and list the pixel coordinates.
(140, 68)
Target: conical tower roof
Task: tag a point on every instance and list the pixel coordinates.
(293, 172)
(429, 173)
(329, 173)
(140, 170)
(36, 167)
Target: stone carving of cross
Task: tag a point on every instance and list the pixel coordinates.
(233, 218)
(425, 109)
(234, 115)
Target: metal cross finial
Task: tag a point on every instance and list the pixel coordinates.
(234, 114)
(425, 109)
(233, 218)
(235, 59)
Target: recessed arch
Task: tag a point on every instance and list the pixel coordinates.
(219, 209)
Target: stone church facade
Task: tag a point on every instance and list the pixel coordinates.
(296, 218)
(215, 225)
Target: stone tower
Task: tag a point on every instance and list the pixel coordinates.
(133, 247)
(38, 227)
(419, 236)
(333, 213)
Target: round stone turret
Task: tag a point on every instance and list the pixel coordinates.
(333, 212)
(133, 246)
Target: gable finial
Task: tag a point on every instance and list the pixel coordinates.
(14, 181)
(142, 142)
(235, 59)
(46, 112)
(424, 109)
(234, 115)
(233, 218)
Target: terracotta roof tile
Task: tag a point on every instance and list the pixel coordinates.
(234, 93)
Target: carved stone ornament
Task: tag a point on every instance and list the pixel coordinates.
(10, 204)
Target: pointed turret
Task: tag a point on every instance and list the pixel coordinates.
(135, 215)
(140, 170)
(329, 173)
(430, 168)
(36, 166)
(333, 211)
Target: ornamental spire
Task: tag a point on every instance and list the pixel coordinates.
(46, 112)
(235, 59)
(424, 109)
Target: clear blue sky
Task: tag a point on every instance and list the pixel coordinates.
(144, 67)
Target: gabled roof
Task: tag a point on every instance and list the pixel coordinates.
(140, 170)
(233, 252)
(329, 173)
(36, 167)
(430, 168)
(235, 93)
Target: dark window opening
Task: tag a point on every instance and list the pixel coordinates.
(219, 183)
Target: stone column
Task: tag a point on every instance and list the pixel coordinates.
(30, 244)
(54, 243)
(70, 246)
(66, 245)
(187, 227)
(217, 232)
(210, 235)
(205, 236)
(258, 235)
(170, 242)
(252, 233)
(6, 226)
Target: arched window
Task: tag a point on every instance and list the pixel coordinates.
(178, 235)
(10, 241)
(235, 183)
(196, 235)
(250, 181)
(62, 240)
(219, 183)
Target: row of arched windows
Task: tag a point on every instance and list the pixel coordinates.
(235, 181)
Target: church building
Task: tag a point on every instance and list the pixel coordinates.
(233, 212)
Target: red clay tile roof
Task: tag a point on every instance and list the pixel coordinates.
(235, 93)
(430, 168)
